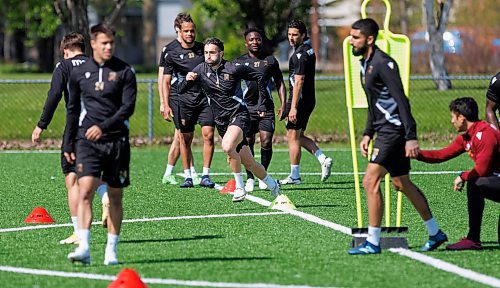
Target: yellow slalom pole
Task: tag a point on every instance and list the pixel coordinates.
(399, 209)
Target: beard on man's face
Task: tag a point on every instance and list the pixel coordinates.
(359, 52)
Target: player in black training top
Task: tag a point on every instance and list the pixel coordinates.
(193, 105)
(169, 94)
(220, 81)
(262, 117)
(72, 47)
(300, 105)
(389, 117)
(102, 99)
(493, 100)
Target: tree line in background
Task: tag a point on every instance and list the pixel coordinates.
(35, 23)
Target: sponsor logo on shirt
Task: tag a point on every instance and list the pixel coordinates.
(226, 77)
(299, 55)
(370, 69)
(310, 52)
(391, 65)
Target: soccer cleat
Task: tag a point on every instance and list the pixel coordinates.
(80, 256)
(169, 179)
(73, 239)
(105, 210)
(239, 195)
(188, 183)
(110, 258)
(326, 169)
(365, 249)
(196, 179)
(250, 185)
(275, 191)
(434, 241)
(206, 182)
(262, 185)
(290, 181)
(465, 244)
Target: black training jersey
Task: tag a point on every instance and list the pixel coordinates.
(493, 92)
(165, 52)
(58, 87)
(181, 61)
(222, 86)
(388, 107)
(269, 67)
(303, 62)
(102, 95)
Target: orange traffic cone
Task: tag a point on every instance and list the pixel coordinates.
(229, 187)
(127, 278)
(39, 215)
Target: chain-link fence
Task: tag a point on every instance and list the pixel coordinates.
(22, 102)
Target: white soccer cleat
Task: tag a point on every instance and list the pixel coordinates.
(249, 185)
(262, 185)
(110, 258)
(73, 239)
(275, 191)
(239, 195)
(105, 211)
(80, 255)
(290, 181)
(326, 169)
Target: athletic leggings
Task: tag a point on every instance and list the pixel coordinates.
(478, 190)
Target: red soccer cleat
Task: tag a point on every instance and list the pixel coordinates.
(465, 244)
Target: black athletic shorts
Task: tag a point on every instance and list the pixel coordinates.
(389, 152)
(304, 111)
(174, 105)
(266, 123)
(191, 115)
(107, 159)
(241, 120)
(66, 166)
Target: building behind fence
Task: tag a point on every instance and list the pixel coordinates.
(22, 102)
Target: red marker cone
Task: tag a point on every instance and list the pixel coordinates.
(229, 187)
(39, 215)
(127, 278)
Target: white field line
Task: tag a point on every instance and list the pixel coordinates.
(143, 220)
(439, 264)
(336, 173)
(145, 280)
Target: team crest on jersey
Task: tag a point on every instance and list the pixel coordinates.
(112, 76)
(226, 77)
(299, 55)
(190, 55)
(479, 135)
(87, 75)
(265, 62)
(375, 154)
(370, 69)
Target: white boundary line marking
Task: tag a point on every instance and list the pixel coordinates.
(439, 264)
(145, 280)
(144, 220)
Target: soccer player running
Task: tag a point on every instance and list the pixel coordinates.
(193, 105)
(173, 100)
(493, 100)
(390, 118)
(300, 104)
(220, 80)
(102, 98)
(482, 142)
(262, 119)
(72, 47)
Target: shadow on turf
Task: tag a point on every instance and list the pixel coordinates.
(295, 188)
(207, 259)
(319, 205)
(198, 237)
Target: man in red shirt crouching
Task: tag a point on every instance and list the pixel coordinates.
(481, 141)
